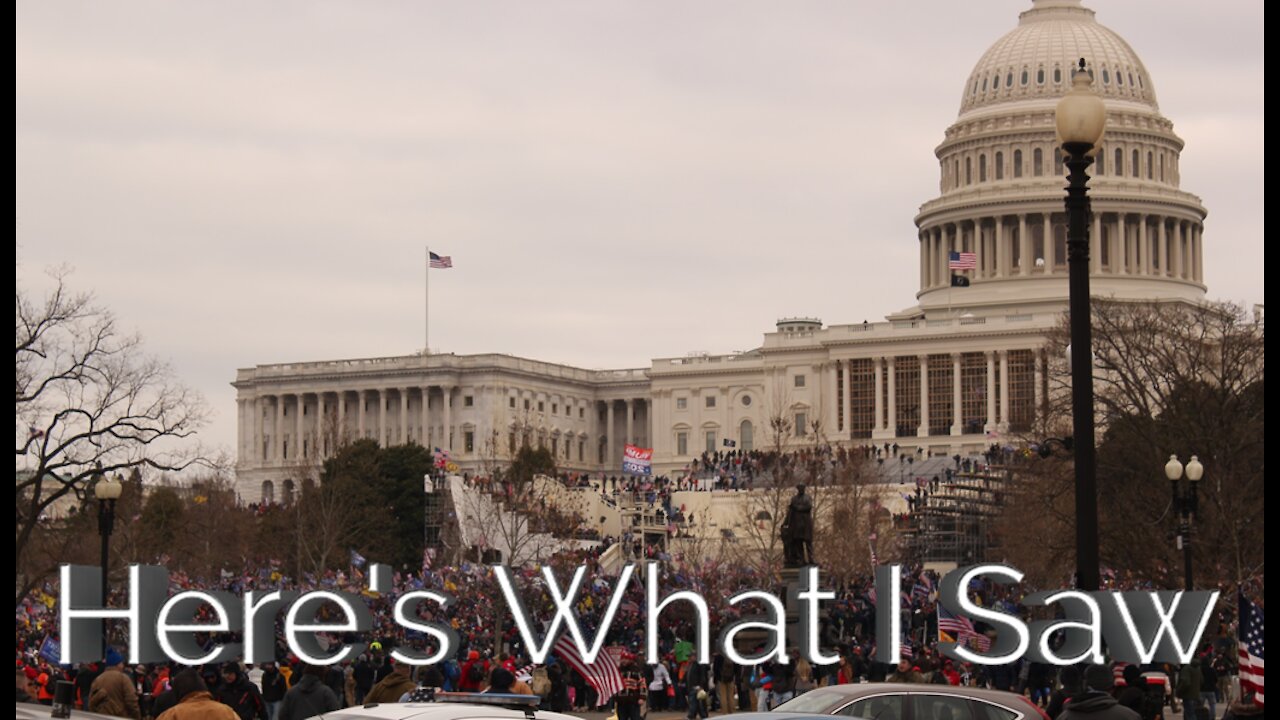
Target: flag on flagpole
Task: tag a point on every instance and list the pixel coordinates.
(440, 262)
(357, 559)
(603, 674)
(1252, 639)
(963, 261)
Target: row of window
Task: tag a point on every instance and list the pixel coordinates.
(555, 407)
(993, 82)
(1152, 169)
(388, 403)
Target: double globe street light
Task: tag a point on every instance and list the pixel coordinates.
(1081, 119)
(1185, 504)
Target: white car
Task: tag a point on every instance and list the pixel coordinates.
(453, 706)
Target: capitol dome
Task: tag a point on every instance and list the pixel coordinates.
(1035, 59)
(1002, 180)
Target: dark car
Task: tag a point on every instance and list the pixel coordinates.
(905, 701)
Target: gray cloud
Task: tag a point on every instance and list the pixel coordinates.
(250, 183)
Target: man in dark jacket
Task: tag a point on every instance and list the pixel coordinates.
(1072, 685)
(308, 697)
(1096, 703)
(273, 688)
(241, 695)
(363, 673)
(696, 683)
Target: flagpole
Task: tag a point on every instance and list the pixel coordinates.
(426, 305)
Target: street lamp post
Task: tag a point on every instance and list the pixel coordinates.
(1185, 503)
(1081, 119)
(107, 490)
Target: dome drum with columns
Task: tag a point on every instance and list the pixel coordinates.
(961, 369)
(1002, 177)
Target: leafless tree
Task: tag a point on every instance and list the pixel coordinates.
(89, 402)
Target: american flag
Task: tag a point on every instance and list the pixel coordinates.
(963, 261)
(1251, 654)
(603, 674)
(440, 262)
(908, 652)
(962, 629)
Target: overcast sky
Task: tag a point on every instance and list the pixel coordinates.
(248, 182)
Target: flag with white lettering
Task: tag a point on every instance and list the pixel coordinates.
(637, 460)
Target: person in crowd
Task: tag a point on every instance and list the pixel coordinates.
(308, 697)
(26, 686)
(273, 688)
(1189, 689)
(112, 692)
(1072, 679)
(906, 673)
(194, 701)
(502, 680)
(241, 695)
(727, 674)
(362, 671)
(392, 687)
(632, 695)
(658, 685)
(1095, 702)
(696, 682)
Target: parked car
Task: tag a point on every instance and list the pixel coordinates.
(452, 706)
(906, 701)
(36, 711)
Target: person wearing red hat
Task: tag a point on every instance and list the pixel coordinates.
(475, 671)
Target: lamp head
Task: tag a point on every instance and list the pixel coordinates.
(107, 488)
(1195, 470)
(1081, 116)
(1173, 469)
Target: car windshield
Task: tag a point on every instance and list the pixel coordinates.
(815, 701)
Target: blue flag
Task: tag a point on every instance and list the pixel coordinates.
(51, 650)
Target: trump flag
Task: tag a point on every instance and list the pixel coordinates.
(637, 460)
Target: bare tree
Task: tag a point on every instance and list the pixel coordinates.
(89, 402)
(1169, 378)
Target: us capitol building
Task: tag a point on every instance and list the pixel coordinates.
(925, 377)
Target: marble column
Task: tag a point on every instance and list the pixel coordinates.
(447, 435)
(1024, 247)
(341, 435)
(1095, 245)
(382, 417)
(320, 425)
(1038, 379)
(1162, 239)
(893, 396)
(631, 418)
(426, 417)
(608, 433)
(255, 452)
(1197, 233)
(1002, 250)
(361, 414)
(1050, 246)
(404, 416)
(1003, 425)
(1144, 251)
(277, 431)
(879, 405)
(845, 400)
(923, 430)
(991, 392)
(299, 432)
(957, 421)
(1121, 257)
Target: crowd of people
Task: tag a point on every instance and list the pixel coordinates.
(490, 641)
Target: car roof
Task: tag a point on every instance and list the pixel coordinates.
(35, 711)
(437, 711)
(852, 691)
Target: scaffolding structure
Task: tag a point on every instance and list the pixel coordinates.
(953, 520)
